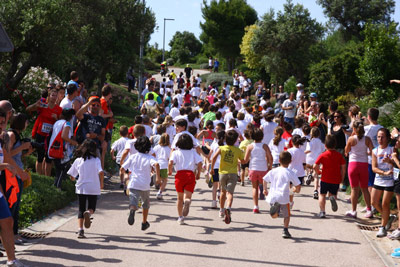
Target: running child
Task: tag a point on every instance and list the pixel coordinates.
(230, 155)
(278, 196)
(91, 176)
(260, 163)
(186, 161)
(276, 146)
(314, 148)
(162, 151)
(215, 177)
(119, 146)
(333, 172)
(243, 146)
(139, 166)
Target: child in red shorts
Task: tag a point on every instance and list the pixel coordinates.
(333, 171)
(186, 161)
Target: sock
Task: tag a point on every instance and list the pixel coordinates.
(229, 208)
(285, 228)
(80, 229)
(159, 191)
(255, 207)
(369, 208)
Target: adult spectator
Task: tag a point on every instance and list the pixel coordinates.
(92, 125)
(216, 65)
(210, 63)
(188, 71)
(281, 96)
(289, 108)
(131, 79)
(6, 107)
(300, 91)
(48, 115)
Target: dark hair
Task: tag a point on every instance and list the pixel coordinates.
(330, 141)
(184, 142)
(146, 119)
(315, 132)
(161, 129)
(306, 129)
(231, 137)
(191, 117)
(386, 132)
(106, 90)
(68, 113)
(221, 125)
(257, 135)
(247, 133)
(182, 111)
(342, 117)
(298, 122)
(175, 104)
(123, 130)
(232, 123)
(373, 113)
(181, 123)
(358, 126)
(138, 130)
(209, 123)
(87, 150)
(143, 144)
(17, 121)
(44, 93)
(285, 158)
(297, 140)
(221, 138)
(218, 115)
(269, 115)
(71, 88)
(287, 126)
(192, 130)
(74, 75)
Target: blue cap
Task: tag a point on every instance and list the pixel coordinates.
(313, 95)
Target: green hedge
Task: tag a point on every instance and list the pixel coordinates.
(42, 198)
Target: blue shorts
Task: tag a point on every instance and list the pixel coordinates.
(371, 178)
(4, 209)
(215, 176)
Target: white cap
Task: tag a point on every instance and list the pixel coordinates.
(299, 85)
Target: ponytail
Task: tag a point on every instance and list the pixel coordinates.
(278, 135)
(221, 138)
(358, 126)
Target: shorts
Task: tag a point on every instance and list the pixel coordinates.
(185, 180)
(358, 174)
(244, 166)
(257, 175)
(247, 93)
(215, 176)
(371, 176)
(284, 210)
(384, 188)
(228, 182)
(164, 173)
(4, 209)
(328, 187)
(397, 187)
(42, 153)
(135, 195)
(301, 179)
(275, 165)
(91, 201)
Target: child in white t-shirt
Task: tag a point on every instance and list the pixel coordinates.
(314, 148)
(119, 146)
(186, 161)
(88, 167)
(278, 195)
(277, 145)
(139, 165)
(162, 151)
(214, 181)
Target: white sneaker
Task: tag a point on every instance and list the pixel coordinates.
(221, 213)
(159, 196)
(214, 204)
(16, 263)
(368, 214)
(181, 220)
(352, 214)
(381, 232)
(364, 210)
(395, 235)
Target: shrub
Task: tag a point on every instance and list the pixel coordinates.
(204, 66)
(170, 61)
(218, 78)
(43, 198)
(389, 115)
(345, 101)
(150, 65)
(290, 85)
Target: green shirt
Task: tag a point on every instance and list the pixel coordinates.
(244, 144)
(209, 116)
(229, 159)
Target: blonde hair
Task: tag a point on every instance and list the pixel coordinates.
(164, 140)
(278, 135)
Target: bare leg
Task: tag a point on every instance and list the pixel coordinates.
(367, 197)
(229, 199)
(255, 192)
(47, 168)
(322, 201)
(286, 222)
(7, 237)
(354, 197)
(222, 199)
(242, 174)
(376, 197)
(39, 167)
(163, 184)
(145, 214)
(179, 204)
(387, 196)
(214, 190)
(188, 195)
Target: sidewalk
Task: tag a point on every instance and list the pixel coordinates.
(250, 240)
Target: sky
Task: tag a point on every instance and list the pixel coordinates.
(187, 15)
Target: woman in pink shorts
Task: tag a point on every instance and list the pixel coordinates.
(357, 148)
(260, 163)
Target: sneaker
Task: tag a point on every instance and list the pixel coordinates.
(322, 214)
(395, 235)
(333, 203)
(256, 210)
(369, 214)
(315, 194)
(222, 214)
(364, 210)
(159, 196)
(274, 208)
(242, 184)
(395, 255)
(86, 219)
(381, 232)
(121, 186)
(145, 226)
(352, 214)
(285, 233)
(392, 218)
(207, 178)
(309, 179)
(131, 218)
(214, 204)
(186, 207)
(181, 220)
(157, 186)
(15, 263)
(343, 188)
(228, 218)
(81, 234)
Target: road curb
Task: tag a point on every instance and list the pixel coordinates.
(387, 260)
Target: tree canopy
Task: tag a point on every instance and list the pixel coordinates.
(184, 46)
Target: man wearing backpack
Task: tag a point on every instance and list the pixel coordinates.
(151, 106)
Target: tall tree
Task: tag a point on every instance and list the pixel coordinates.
(184, 46)
(352, 15)
(224, 24)
(285, 42)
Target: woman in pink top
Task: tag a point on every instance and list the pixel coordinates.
(358, 146)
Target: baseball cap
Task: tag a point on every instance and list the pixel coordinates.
(95, 98)
(299, 85)
(313, 95)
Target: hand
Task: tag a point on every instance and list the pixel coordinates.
(26, 145)
(170, 172)
(212, 172)
(387, 173)
(387, 160)
(158, 181)
(72, 178)
(11, 168)
(24, 176)
(265, 192)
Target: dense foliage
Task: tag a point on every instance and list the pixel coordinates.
(184, 47)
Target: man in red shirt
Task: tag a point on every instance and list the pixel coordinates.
(333, 171)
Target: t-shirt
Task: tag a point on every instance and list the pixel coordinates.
(280, 179)
(162, 154)
(381, 180)
(185, 159)
(244, 144)
(174, 112)
(92, 124)
(229, 159)
(331, 161)
(188, 71)
(195, 91)
(290, 113)
(316, 147)
(45, 120)
(104, 107)
(119, 147)
(276, 150)
(66, 103)
(195, 141)
(372, 131)
(88, 171)
(298, 158)
(241, 125)
(148, 130)
(139, 164)
(214, 148)
(209, 116)
(268, 130)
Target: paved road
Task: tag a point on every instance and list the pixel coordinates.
(205, 240)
